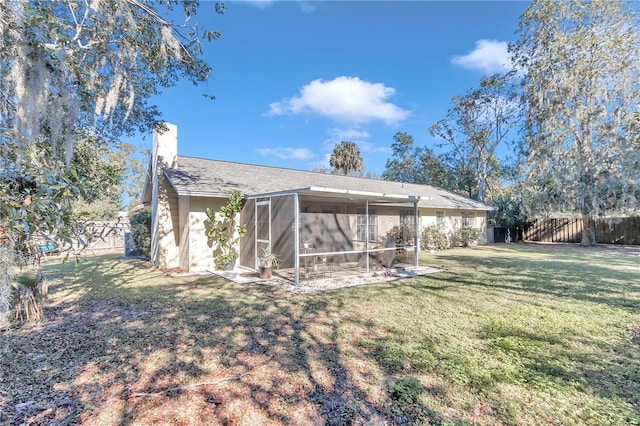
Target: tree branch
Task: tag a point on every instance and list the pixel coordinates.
(194, 385)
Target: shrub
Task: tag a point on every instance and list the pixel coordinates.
(141, 231)
(469, 237)
(221, 230)
(403, 234)
(434, 236)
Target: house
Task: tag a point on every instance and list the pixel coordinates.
(317, 223)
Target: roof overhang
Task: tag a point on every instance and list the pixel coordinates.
(349, 194)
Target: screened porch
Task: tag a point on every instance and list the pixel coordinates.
(329, 233)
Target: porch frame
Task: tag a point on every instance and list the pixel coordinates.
(368, 198)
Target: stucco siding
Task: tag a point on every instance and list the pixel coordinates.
(201, 252)
(168, 226)
(452, 221)
(183, 215)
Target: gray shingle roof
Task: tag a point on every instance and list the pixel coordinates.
(204, 177)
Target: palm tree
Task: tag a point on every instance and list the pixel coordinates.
(346, 160)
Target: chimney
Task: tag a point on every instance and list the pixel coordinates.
(165, 153)
(165, 147)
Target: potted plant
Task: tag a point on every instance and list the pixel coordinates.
(267, 262)
(307, 243)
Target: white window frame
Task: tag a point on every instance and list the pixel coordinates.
(468, 219)
(362, 223)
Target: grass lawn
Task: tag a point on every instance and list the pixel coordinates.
(509, 334)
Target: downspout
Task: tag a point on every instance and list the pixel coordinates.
(366, 233)
(296, 239)
(416, 232)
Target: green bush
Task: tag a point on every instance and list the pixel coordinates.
(433, 236)
(469, 237)
(221, 229)
(141, 231)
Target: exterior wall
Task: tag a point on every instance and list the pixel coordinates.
(452, 222)
(184, 243)
(194, 253)
(165, 217)
(200, 251)
(185, 234)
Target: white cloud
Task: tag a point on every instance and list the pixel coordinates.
(288, 153)
(359, 137)
(489, 56)
(345, 100)
(369, 147)
(262, 4)
(352, 135)
(305, 6)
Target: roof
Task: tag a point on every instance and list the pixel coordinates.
(201, 177)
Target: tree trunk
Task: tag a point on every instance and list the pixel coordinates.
(588, 232)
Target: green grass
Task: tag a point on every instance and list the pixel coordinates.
(508, 334)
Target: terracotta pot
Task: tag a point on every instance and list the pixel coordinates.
(265, 273)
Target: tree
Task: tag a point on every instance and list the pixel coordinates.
(71, 67)
(403, 167)
(346, 160)
(110, 172)
(79, 71)
(475, 126)
(434, 170)
(580, 93)
(414, 164)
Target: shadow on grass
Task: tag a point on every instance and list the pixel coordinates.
(122, 342)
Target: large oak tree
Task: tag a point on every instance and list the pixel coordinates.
(581, 62)
(74, 70)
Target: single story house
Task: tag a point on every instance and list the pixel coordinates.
(317, 223)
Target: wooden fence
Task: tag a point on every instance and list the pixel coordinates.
(608, 231)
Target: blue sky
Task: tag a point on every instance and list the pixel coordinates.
(293, 78)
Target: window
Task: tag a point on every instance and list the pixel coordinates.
(468, 220)
(406, 218)
(362, 225)
(440, 217)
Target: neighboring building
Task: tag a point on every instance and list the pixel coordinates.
(348, 220)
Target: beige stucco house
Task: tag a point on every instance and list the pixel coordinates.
(347, 221)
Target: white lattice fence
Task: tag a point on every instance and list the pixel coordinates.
(107, 235)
